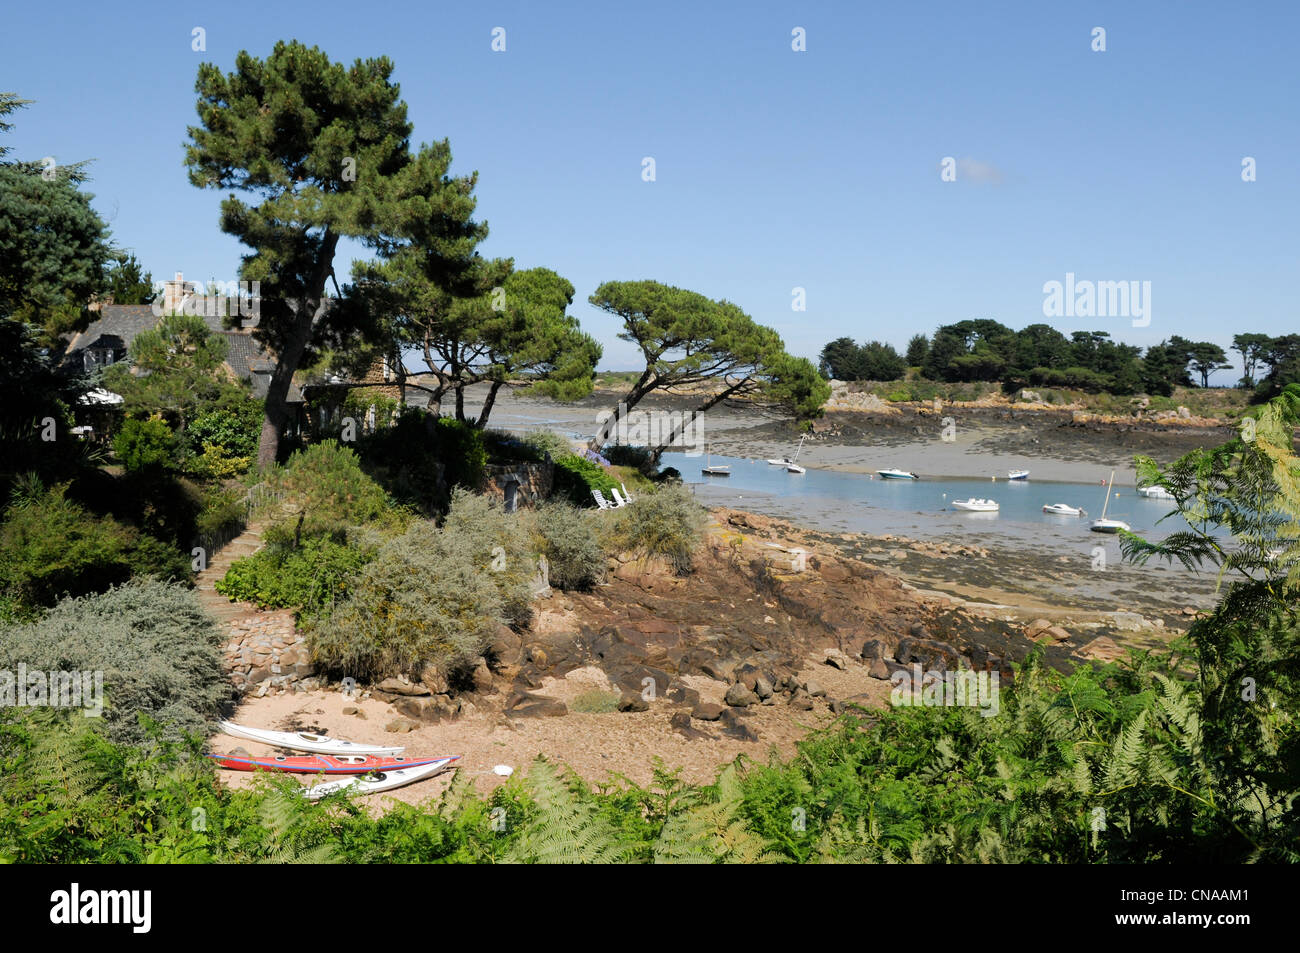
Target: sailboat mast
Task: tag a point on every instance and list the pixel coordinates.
(1109, 484)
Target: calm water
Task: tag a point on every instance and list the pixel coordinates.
(865, 503)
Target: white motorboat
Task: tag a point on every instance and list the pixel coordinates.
(1017, 474)
(1104, 525)
(787, 461)
(1155, 493)
(306, 741)
(1063, 509)
(975, 506)
(892, 474)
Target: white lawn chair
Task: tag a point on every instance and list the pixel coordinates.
(618, 500)
(603, 503)
(626, 495)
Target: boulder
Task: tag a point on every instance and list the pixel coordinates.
(733, 726)
(837, 659)
(801, 701)
(814, 688)
(741, 696)
(401, 685)
(435, 680)
(707, 711)
(880, 669)
(528, 705)
(633, 701)
(762, 688)
(1038, 625)
(724, 670)
(483, 678)
(874, 649)
(401, 725)
(683, 696)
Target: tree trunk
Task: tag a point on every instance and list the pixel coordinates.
(306, 312)
(488, 401)
(624, 406)
(698, 412)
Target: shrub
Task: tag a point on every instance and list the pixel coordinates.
(595, 702)
(223, 441)
(312, 577)
(326, 484)
(222, 514)
(665, 522)
(147, 445)
(52, 547)
(158, 651)
(407, 457)
(571, 544)
(501, 445)
(576, 477)
(638, 458)
(431, 595)
(548, 441)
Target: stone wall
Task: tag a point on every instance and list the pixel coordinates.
(533, 481)
(264, 653)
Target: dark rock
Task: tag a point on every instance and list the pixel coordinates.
(880, 669)
(632, 701)
(733, 726)
(724, 670)
(874, 649)
(528, 705)
(814, 688)
(741, 695)
(762, 688)
(683, 696)
(707, 711)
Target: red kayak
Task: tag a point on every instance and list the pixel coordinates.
(320, 763)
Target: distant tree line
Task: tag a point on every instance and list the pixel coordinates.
(1040, 355)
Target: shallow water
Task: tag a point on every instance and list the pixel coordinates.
(861, 503)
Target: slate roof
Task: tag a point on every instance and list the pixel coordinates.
(119, 324)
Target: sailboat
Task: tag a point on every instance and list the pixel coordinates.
(710, 470)
(793, 465)
(1104, 525)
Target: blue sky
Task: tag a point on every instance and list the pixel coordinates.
(774, 169)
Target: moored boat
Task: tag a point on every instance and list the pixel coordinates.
(1104, 525)
(1155, 493)
(892, 474)
(975, 505)
(306, 741)
(318, 763)
(1017, 474)
(1063, 509)
(379, 781)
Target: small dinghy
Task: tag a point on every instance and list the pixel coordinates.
(975, 506)
(379, 781)
(893, 474)
(306, 741)
(318, 763)
(1017, 474)
(1062, 509)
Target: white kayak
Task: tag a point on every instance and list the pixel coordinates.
(305, 741)
(377, 781)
